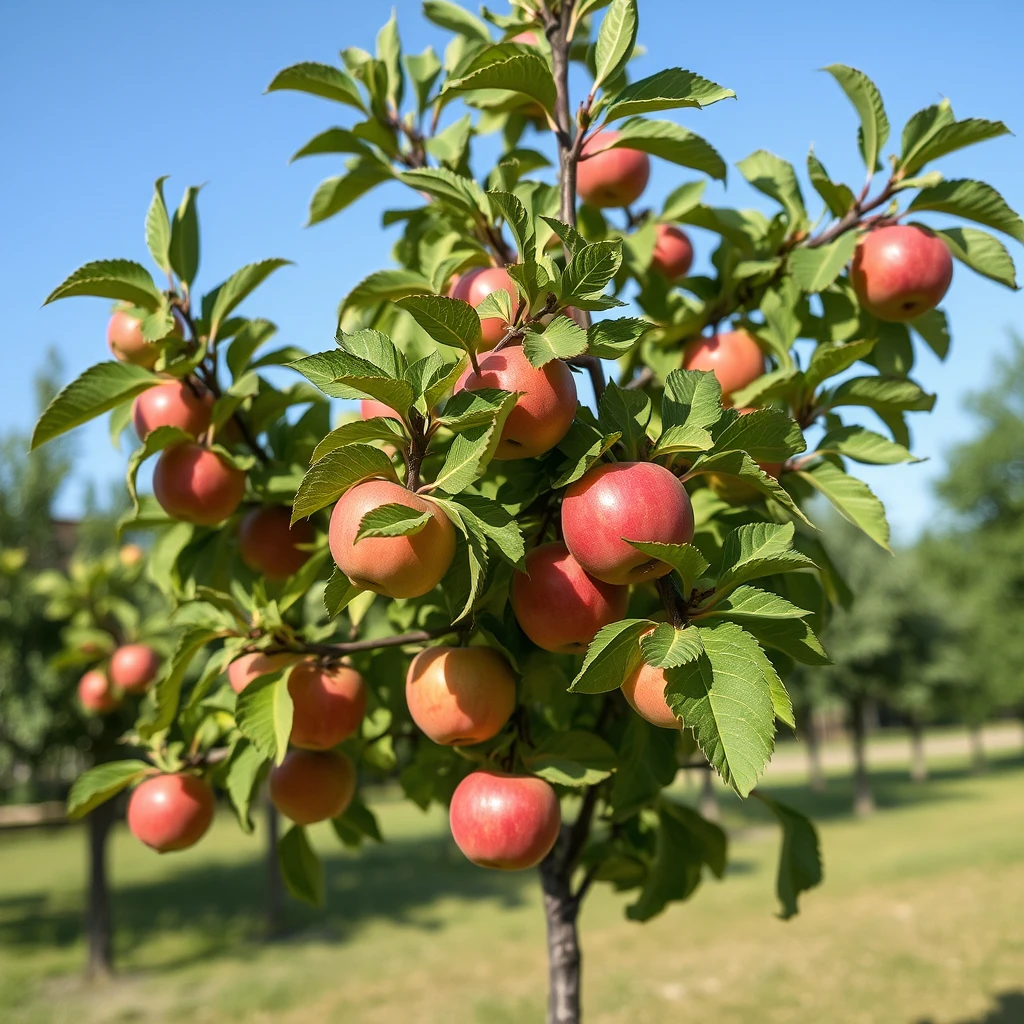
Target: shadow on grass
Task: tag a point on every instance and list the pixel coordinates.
(1008, 1010)
(222, 906)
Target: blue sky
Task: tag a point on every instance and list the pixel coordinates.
(103, 98)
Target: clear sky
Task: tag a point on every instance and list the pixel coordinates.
(102, 98)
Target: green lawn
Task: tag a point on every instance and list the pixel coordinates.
(919, 920)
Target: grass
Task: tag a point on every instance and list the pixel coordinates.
(918, 922)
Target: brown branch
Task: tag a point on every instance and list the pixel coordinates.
(417, 636)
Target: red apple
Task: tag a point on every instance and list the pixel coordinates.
(242, 671)
(171, 404)
(393, 566)
(474, 286)
(611, 177)
(195, 484)
(328, 704)
(673, 252)
(460, 695)
(133, 667)
(171, 812)
(97, 693)
(546, 406)
(369, 408)
(313, 785)
(901, 271)
(645, 691)
(504, 821)
(559, 606)
(269, 544)
(527, 38)
(618, 502)
(733, 356)
(124, 338)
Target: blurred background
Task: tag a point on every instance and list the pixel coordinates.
(909, 752)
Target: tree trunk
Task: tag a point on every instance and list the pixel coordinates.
(815, 771)
(98, 931)
(564, 961)
(863, 799)
(708, 797)
(978, 760)
(918, 761)
(275, 887)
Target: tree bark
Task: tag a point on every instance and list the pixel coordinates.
(979, 762)
(863, 798)
(918, 761)
(98, 927)
(561, 911)
(708, 797)
(275, 887)
(815, 771)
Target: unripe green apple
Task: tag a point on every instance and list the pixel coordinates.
(171, 812)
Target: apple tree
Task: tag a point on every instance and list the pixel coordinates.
(531, 609)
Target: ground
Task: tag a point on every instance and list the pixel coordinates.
(918, 922)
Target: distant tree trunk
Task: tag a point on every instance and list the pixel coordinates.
(979, 762)
(918, 761)
(863, 799)
(98, 927)
(275, 887)
(564, 960)
(812, 737)
(708, 797)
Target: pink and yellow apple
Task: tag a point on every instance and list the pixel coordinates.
(196, 485)
(733, 356)
(125, 341)
(673, 252)
(645, 692)
(312, 785)
(242, 671)
(171, 812)
(270, 544)
(328, 704)
(474, 286)
(97, 694)
(133, 667)
(611, 177)
(174, 403)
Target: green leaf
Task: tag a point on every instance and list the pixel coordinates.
(511, 209)
(724, 698)
(690, 406)
(184, 251)
(800, 864)
(245, 343)
(301, 869)
(472, 408)
(423, 69)
(615, 41)
(611, 657)
(572, 758)
(98, 784)
(338, 593)
(492, 521)
(765, 435)
(456, 19)
(982, 253)
(776, 178)
(590, 269)
(685, 559)
(749, 603)
(740, 464)
(583, 446)
(668, 647)
(814, 270)
(263, 714)
(156, 441)
(166, 693)
(647, 764)
(609, 339)
(99, 389)
(392, 520)
(356, 824)
(759, 549)
(158, 228)
(462, 194)
(669, 141)
(433, 377)
(328, 479)
(334, 140)
(237, 287)
(934, 329)
(831, 357)
(334, 194)
(883, 394)
(667, 90)
(507, 66)
(563, 338)
(946, 138)
(342, 374)
(851, 498)
(972, 200)
(319, 80)
(838, 198)
(111, 279)
(242, 775)
(791, 636)
(863, 445)
(682, 200)
(472, 450)
(867, 100)
(627, 413)
(389, 52)
(379, 428)
(448, 321)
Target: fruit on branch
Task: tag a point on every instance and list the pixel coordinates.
(133, 667)
(645, 692)
(611, 177)
(313, 785)
(735, 490)
(197, 485)
(270, 544)
(546, 405)
(673, 252)
(504, 821)
(638, 501)
(171, 812)
(558, 605)
(242, 671)
(527, 38)
(130, 555)
(328, 703)
(474, 286)
(172, 404)
(97, 694)
(393, 566)
(460, 696)
(732, 356)
(369, 408)
(901, 271)
(125, 341)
